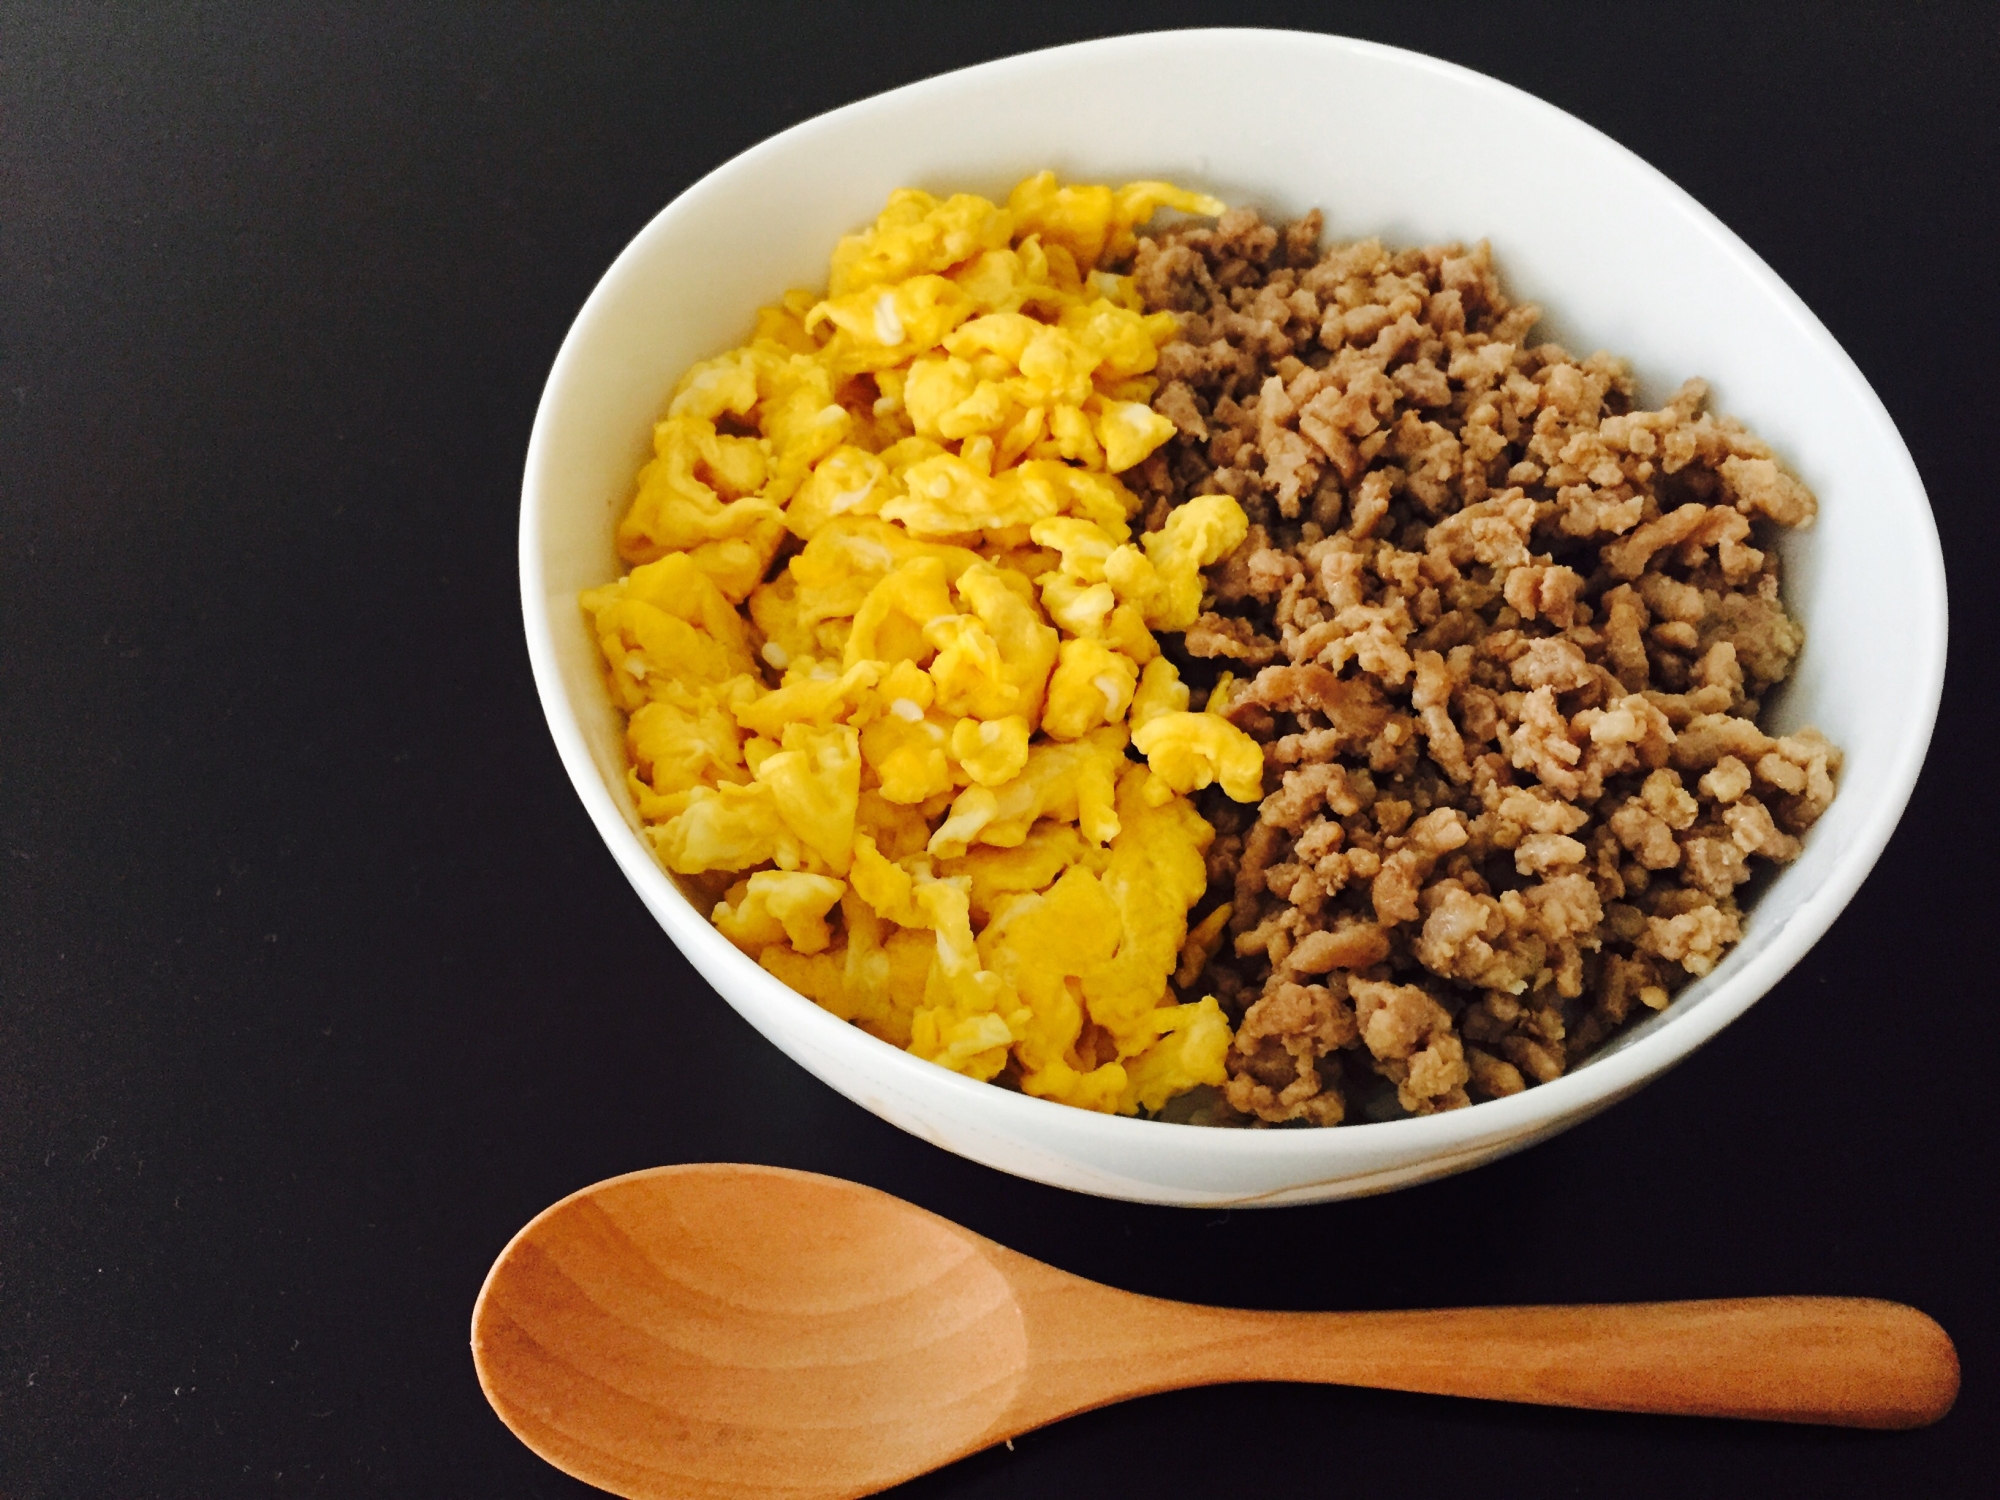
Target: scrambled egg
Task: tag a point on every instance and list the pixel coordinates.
(903, 758)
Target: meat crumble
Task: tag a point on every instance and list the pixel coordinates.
(1504, 638)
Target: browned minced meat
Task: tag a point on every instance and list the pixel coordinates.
(1503, 638)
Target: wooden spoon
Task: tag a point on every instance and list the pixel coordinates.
(732, 1331)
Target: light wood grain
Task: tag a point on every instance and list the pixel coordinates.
(735, 1331)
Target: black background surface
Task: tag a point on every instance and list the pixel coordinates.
(318, 983)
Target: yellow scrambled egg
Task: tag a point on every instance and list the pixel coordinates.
(904, 758)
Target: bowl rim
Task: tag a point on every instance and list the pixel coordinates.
(1598, 1081)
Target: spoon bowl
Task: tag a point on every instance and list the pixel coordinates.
(712, 1330)
(734, 1331)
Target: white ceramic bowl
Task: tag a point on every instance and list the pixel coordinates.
(1388, 143)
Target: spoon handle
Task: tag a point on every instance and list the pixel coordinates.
(1843, 1361)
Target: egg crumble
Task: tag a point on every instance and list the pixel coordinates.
(886, 649)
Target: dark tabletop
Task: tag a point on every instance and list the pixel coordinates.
(318, 982)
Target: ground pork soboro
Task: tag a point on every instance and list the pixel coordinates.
(1503, 638)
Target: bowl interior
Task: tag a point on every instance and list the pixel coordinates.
(1387, 143)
